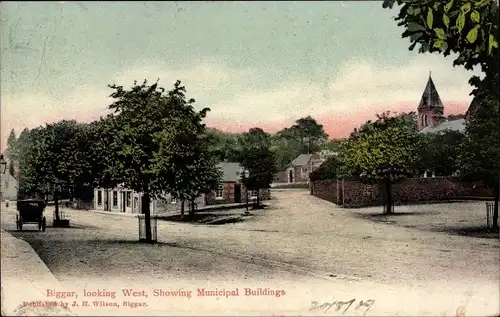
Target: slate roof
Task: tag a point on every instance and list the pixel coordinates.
(455, 125)
(301, 160)
(230, 170)
(430, 97)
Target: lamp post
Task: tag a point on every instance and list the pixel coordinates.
(246, 174)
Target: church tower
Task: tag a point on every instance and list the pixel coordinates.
(431, 109)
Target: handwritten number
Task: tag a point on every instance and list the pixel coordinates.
(339, 304)
(314, 305)
(369, 303)
(350, 303)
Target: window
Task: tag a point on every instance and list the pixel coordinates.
(254, 193)
(115, 199)
(129, 196)
(99, 198)
(219, 193)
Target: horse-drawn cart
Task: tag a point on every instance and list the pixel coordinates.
(31, 212)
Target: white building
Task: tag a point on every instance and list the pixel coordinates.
(119, 199)
(8, 186)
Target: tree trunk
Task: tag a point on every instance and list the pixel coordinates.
(56, 205)
(495, 207)
(191, 209)
(182, 209)
(390, 202)
(145, 206)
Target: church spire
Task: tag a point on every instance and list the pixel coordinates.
(430, 97)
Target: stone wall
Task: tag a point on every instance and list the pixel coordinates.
(353, 194)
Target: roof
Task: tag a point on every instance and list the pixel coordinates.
(455, 125)
(231, 171)
(301, 160)
(430, 97)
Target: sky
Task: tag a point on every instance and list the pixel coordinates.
(254, 64)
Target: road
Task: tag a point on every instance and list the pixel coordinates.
(300, 240)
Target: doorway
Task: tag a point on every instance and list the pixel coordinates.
(290, 176)
(237, 193)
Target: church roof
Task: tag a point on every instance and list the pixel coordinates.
(430, 97)
(455, 125)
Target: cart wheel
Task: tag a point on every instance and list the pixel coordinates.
(44, 224)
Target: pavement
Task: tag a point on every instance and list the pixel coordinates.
(25, 281)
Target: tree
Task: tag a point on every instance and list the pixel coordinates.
(439, 152)
(480, 151)
(147, 130)
(329, 169)
(183, 160)
(383, 151)
(223, 146)
(50, 165)
(468, 28)
(11, 151)
(258, 159)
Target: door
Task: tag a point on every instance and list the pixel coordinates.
(237, 193)
(290, 176)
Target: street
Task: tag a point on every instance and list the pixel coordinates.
(299, 240)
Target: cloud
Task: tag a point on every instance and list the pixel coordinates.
(342, 98)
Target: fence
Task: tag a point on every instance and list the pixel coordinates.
(354, 194)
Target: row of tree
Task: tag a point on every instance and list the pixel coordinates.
(154, 142)
(306, 135)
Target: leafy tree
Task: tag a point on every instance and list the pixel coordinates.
(51, 161)
(383, 151)
(224, 146)
(183, 160)
(11, 151)
(469, 29)
(148, 127)
(439, 152)
(329, 169)
(480, 151)
(258, 159)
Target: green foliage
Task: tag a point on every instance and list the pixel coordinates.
(439, 152)
(224, 146)
(384, 149)
(258, 159)
(468, 28)
(12, 152)
(329, 169)
(479, 153)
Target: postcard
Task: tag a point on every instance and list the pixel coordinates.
(239, 158)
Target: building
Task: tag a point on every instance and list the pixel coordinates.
(299, 169)
(231, 190)
(121, 199)
(431, 112)
(9, 186)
